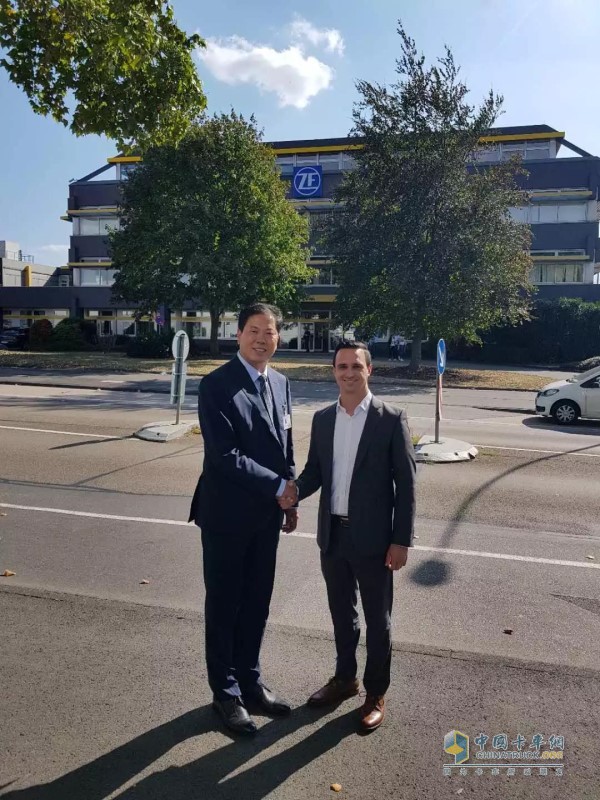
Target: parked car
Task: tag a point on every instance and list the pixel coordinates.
(566, 401)
(14, 338)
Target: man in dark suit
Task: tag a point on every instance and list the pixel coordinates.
(245, 418)
(361, 457)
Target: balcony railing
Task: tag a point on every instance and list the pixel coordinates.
(18, 255)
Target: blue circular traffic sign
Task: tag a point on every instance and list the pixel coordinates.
(441, 356)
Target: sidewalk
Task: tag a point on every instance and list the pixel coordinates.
(110, 700)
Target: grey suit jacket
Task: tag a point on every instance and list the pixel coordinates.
(381, 504)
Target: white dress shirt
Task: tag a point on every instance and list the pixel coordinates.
(347, 433)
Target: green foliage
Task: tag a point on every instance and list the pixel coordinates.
(150, 345)
(72, 334)
(39, 334)
(121, 68)
(559, 331)
(208, 221)
(424, 243)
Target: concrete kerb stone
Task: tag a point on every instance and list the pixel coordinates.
(164, 431)
(445, 451)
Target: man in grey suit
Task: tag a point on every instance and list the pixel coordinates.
(361, 457)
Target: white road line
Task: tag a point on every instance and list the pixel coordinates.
(304, 535)
(72, 513)
(507, 557)
(63, 433)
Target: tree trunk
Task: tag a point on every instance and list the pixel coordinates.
(415, 350)
(215, 320)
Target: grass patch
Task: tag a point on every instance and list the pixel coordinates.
(293, 368)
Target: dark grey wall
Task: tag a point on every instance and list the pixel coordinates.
(565, 236)
(88, 247)
(94, 193)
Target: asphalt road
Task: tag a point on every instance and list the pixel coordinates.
(106, 673)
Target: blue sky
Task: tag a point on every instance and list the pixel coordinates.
(295, 65)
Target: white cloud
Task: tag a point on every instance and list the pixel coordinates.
(302, 29)
(54, 248)
(294, 77)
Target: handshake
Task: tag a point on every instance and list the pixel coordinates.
(289, 498)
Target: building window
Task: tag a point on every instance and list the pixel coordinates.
(545, 213)
(572, 212)
(311, 159)
(94, 226)
(537, 150)
(557, 273)
(97, 277)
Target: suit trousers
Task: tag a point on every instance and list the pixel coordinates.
(239, 571)
(346, 572)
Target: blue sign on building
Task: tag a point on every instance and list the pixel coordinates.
(307, 182)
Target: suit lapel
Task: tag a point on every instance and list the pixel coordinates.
(371, 423)
(251, 392)
(328, 434)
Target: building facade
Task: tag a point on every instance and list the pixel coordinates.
(562, 184)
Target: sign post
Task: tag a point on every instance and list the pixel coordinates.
(180, 348)
(441, 366)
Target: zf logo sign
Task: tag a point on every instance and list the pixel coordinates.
(308, 182)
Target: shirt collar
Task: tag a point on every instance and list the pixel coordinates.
(362, 406)
(252, 371)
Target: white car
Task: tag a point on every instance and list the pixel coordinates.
(565, 401)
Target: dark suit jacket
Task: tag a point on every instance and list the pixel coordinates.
(245, 455)
(381, 503)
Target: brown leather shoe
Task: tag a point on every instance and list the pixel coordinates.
(372, 713)
(333, 691)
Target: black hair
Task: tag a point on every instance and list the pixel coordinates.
(347, 344)
(260, 308)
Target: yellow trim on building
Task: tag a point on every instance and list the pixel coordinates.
(320, 298)
(331, 148)
(564, 193)
(561, 258)
(328, 148)
(89, 264)
(75, 212)
(124, 159)
(523, 137)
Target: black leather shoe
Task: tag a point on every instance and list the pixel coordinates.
(267, 701)
(235, 716)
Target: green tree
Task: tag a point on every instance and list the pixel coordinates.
(122, 68)
(40, 334)
(425, 243)
(208, 221)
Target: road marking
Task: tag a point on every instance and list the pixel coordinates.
(507, 557)
(303, 535)
(71, 513)
(63, 433)
(552, 452)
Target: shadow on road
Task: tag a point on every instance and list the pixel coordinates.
(438, 571)
(581, 427)
(206, 777)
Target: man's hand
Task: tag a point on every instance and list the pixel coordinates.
(291, 520)
(396, 556)
(289, 497)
